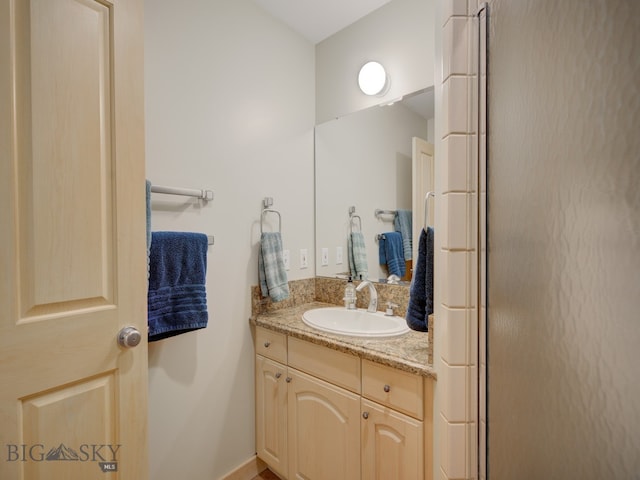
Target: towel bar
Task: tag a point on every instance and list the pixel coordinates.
(379, 212)
(206, 195)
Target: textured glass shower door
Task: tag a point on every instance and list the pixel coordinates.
(563, 186)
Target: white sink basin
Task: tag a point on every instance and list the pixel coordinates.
(355, 323)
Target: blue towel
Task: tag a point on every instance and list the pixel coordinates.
(273, 277)
(421, 290)
(177, 299)
(391, 254)
(403, 224)
(357, 253)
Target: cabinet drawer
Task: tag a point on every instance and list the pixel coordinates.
(339, 368)
(271, 344)
(402, 391)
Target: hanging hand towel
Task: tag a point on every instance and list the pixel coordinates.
(273, 277)
(357, 253)
(421, 291)
(391, 254)
(403, 224)
(177, 300)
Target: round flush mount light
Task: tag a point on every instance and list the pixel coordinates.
(373, 79)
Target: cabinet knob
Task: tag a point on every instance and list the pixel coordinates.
(278, 375)
(288, 379)
(387, 388)
(365, 415)
(266, 344)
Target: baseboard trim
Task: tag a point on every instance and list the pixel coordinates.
(247, 470)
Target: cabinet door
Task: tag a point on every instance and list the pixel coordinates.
(392, 445)
(324, 430)
(271, 414)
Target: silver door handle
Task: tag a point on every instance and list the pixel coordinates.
(129, 337)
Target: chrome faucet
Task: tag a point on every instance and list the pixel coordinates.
(373, 295)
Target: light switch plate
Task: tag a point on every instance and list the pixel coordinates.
(324, 260)
(304, 258)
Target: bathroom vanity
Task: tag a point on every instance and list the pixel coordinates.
(331, 407)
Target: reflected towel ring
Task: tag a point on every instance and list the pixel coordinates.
(426, 208)
(352, 217)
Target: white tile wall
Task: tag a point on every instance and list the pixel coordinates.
(457, 219)
(453, 8)
(456, 261)
(472, 456)
(454, 291)
(456, 42)
(455, 151)
(455, 96)
(454, 348)
(454, 405)
(456, 465)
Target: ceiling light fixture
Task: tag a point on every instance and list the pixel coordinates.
(373, 79)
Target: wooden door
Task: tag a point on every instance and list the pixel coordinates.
(391, 444)
(73, 404)
(271, 414)
(324, 430)
(423, 182)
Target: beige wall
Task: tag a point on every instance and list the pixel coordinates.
(400, 35)
(229, 107)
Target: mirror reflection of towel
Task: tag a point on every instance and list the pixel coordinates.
(403, 223)
(391, 253)
(357, 253)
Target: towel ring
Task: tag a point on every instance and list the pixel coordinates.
(426, 208)
(352, 217)
(269, 210)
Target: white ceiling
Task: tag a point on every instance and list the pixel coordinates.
(319, 19)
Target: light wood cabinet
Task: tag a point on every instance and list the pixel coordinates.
(392, 444)
(324, 430)
(271, 414)
(271, 400)
(322, 414)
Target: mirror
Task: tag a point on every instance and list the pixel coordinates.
(364, 160)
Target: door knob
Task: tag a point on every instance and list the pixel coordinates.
(129, 337)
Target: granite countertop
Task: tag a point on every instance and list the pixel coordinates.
(410, 352)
